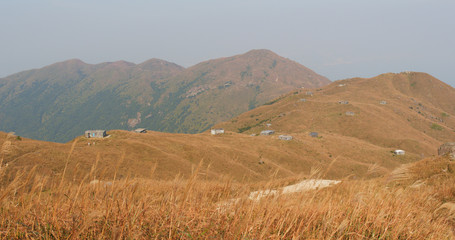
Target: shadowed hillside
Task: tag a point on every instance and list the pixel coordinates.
(60, 101)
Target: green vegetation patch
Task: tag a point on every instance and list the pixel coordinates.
(246, 128)
(436, 127)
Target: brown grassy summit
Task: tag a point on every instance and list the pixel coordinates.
(409, 116)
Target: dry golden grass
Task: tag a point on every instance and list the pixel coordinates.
(40, 207)
(415, 102)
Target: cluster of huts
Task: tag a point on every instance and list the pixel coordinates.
(103, 133)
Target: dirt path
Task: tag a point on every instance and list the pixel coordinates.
(305, 185)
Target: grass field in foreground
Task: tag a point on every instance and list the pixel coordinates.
(413, 202)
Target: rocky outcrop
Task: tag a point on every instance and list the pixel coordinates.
(447, 148)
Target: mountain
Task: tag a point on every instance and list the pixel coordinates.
(60, 101)
(411, 111)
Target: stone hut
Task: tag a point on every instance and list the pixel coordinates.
(267, 132)
(285, 137)
(350, 113)
(95, 134)
(140, 130)
(343, 102)
(383, 102)
(399, 152)
(217, 131)
(447, 148)
(309, 93)
(314, 134)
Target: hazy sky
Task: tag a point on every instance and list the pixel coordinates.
(336, 38)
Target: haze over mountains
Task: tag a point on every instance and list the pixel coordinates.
(60, 101)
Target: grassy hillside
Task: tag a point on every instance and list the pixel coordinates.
(417, 114)
(232, 155)
(59, 102)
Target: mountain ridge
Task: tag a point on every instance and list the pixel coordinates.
(59, 101)
(381, 111)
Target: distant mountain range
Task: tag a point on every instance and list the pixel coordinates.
(60, 101)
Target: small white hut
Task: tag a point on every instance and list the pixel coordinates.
(285, 137)
(217, 131)
(267, 132)
(140, 130)
(95, 133)
(399, 152)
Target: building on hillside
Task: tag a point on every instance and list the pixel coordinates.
(399, 152)
(341, 85)
(267, 132)
(350, 113)
(447, 148)
(383, 102)
(314, 134)
(268, 124)
(217, 131)
(309, 93)
(343, 102)
(140, 130)
(285, 137)
(302, 100)
(95, 133)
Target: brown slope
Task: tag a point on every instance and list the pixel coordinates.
(411, 119)
(230, 155)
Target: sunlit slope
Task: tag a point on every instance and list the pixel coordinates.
(418, 114)
(164, 156)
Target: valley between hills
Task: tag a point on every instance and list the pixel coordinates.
(232, 185)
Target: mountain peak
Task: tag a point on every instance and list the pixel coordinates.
(154, 63)
(70, 62)
(260, 53)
